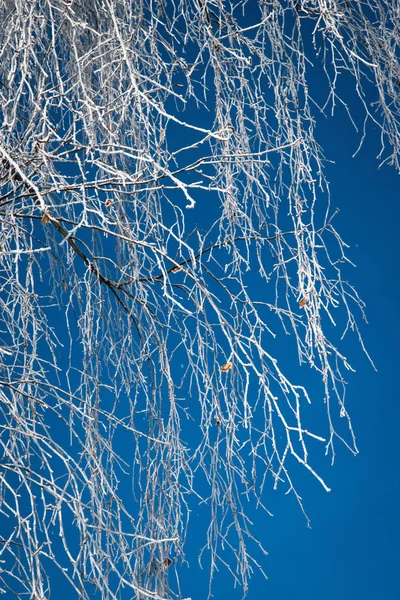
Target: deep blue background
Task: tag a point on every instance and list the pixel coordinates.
(352, 550)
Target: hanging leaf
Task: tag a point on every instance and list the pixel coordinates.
(46, 218)
(303, 302)
(109, 202)
(176, 269)
(226, 367)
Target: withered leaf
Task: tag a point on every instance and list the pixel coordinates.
(46, 218)
(303, 302)
(176, 269)
(226, 367)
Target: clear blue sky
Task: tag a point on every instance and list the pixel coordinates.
(352, 551)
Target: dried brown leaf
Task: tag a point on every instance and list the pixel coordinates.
(226, 367)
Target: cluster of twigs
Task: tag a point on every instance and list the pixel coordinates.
(164, 215)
